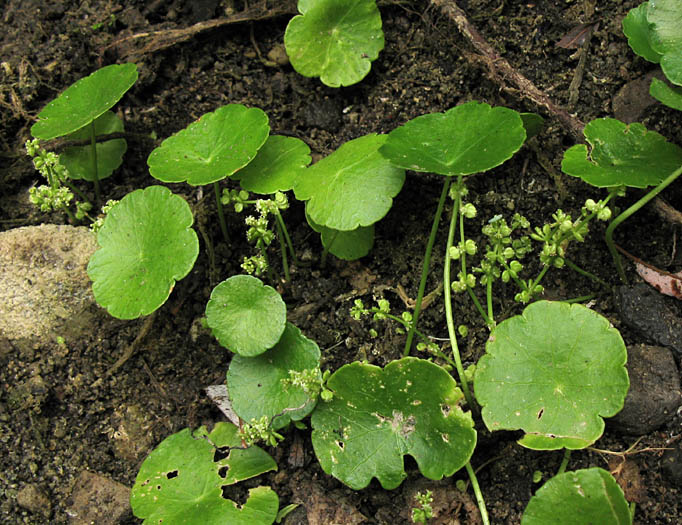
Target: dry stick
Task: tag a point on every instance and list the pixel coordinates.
(130, 349)
(500, 67)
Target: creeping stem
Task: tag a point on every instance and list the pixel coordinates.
(478, 494)
(93, 149)
(221, 213)
(447, 291)
(630, 211)
(426, 264)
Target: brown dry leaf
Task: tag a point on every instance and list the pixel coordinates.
(628, 476)
(576, 37)
(665, 282)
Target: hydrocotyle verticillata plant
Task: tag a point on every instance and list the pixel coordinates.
(335, 40)
(81, 104)
(352, 188)
(146, 244)
(184, 478)
(622, 156)
(210, 149)
(654, 31)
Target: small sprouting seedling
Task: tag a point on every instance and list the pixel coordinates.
(78, 107)
(245, 315)
(212, 148)
(272, 385)
(623, 156)
(335, 40)
(184, 477)
(554, 372)
(654, 31)
(146, 244)
(423, 512)
(379, 415)
(352, 188)
(581, 496)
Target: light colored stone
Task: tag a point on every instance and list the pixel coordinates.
(32, 498)
(97, 499)
(44, 287)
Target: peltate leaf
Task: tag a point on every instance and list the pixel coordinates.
(276, 166)
(336, 40)
(378, 415)
(354, 186)
(665, 17)
(246, 316)
(553, 372)
(346, 245)
(78, 159)
(181, 481)
(84, 101)
(466, 139)
(146, 244)
(638, 30)
(576, 498)
(621, 154)
(668, 95)
(255, 383)
(212, 148)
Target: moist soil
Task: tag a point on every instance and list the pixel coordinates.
(78, 418)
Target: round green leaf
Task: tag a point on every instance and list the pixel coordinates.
(668, 95)
(255, 383)
(665, 17)
(553, 372)
(346, 245)
(466, 139)
(246, 316)
(212, 148)
(354, 186)
(378, 415)
(335, 40)
(78, 159)
(276, 166)
(638, 30)
(84, 101)
(621, 154)
(181, 481)
(146, 244)
(576, 498)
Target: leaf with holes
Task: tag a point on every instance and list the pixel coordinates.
(354, 186)
(84, 101)
(335, 40)
(379, 415)
(554, 372)
(276, 167)
(246, 316)
(146, 244)
(182, 480)
(255, 383)
(466, 139)
(212, 148)
(575, 498)
(621, 155)
(78, 159)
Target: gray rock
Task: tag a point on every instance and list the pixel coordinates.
(654, 394)
(655, 316)
(32, 498)
(44, 287)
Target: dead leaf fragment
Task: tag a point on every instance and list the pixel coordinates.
(665, 282)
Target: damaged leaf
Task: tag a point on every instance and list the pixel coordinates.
(182, 480)
(554, 372)
(665, 282)
(379, 415)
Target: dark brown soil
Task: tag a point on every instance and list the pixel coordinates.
(74, 423)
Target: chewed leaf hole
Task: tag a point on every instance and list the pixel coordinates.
(221, 453)
(340, 444)
(445, 409)
(541, 412)
(222, 471)
(172, 474)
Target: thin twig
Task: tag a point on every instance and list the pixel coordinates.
(130, 349)
(500, 67)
